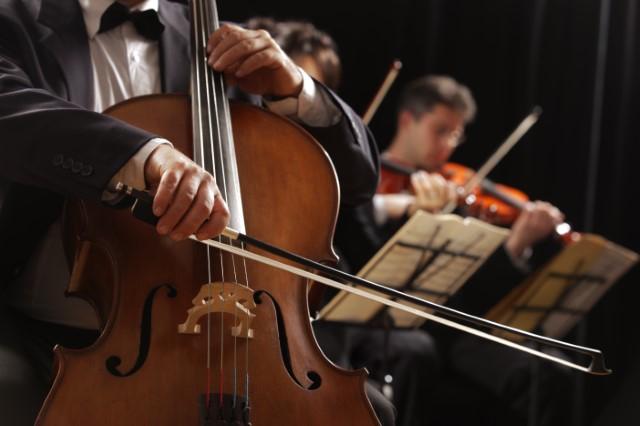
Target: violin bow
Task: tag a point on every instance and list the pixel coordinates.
(498, 155)
(563, 230)
(376, 292)
(393, 72)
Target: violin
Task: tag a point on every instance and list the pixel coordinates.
(494, 203)
(491, 202)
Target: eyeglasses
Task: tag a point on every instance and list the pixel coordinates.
(453, 138)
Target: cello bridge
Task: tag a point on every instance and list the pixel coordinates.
(228, 297)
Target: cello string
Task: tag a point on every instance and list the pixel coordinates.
(235, 338)
(246, 355)
(214, 142)
(205, 115)
(230, 184)
(216, 168)
(200, 69)
(212, 167)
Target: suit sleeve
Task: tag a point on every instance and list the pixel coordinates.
(498, 276)
(354, 153)
(46, 141)
(357, 236)
(493, 281)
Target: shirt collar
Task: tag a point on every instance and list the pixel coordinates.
(92, 11)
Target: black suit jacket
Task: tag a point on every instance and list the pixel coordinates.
(51, 145)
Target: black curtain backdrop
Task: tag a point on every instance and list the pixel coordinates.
(513, 55)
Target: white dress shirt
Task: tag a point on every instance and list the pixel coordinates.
(124, 65)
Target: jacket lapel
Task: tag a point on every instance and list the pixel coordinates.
(174, 48)
(66, 38)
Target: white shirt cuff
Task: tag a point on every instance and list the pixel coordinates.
(522, 263)
(132, 173)
(312, 107)
(380, 215)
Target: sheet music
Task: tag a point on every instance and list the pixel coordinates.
(431, 256)
(558, 296)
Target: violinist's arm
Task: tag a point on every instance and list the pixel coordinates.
(391, 206)
(254, 62)
(506, 267)
(431, 193)
(536, 222)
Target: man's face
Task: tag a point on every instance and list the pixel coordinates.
(433, 136)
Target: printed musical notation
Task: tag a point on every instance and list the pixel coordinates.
(431, 256)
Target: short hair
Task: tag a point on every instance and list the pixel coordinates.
(263, 23)
(424, 94)
(300, 38)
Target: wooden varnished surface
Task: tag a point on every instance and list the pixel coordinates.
(287, 203)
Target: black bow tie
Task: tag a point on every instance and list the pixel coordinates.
(146, 23)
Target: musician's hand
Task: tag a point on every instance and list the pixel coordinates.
(253, 61)
(432, 192)
(536, 222)
(187, 199)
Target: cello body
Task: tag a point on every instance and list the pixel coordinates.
(142, 370)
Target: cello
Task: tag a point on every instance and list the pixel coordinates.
(161, 355)
(191, 335)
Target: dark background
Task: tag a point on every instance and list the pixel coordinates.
(578, 59)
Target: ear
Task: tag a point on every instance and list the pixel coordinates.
(405, 119)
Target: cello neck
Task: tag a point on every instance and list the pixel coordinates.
(213, 145)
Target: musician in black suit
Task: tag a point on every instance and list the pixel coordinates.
(61, 63)
(432, 114)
